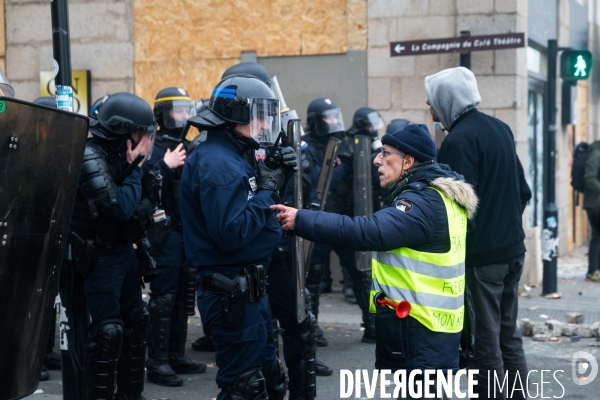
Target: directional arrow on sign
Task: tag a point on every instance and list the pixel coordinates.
(399, 48)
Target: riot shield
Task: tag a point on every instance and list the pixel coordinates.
(40, 158)
(363, 191)
(293, 132)
(323, 185)
(287, 114)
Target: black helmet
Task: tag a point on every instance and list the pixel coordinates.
(366, 121)
(46, 101)
(248, 68)
(97, 105)
(396, 124)
(123, 114)
(173, 106)
(242, 99)
(324, 118)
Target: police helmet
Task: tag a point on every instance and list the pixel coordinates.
(46, 101)
(97, 105)
(123, 114)
(173, 106)
(396, 124)
(246, 100)
(366, 121)
(249, 68)
(324, 118)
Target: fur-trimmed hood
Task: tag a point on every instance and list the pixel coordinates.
(451, 183)
(458, 191)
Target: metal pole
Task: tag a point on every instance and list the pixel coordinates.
(73, 310)
(550, 232)
(465, 57)
(61, 47)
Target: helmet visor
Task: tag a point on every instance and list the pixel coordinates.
(144, 133)
(375, 122)
(177, 112)
(265, 122)
(333, 118)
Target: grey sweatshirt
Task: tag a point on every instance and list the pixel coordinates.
(451, 93)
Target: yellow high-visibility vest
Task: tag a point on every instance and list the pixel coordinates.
(433, 283)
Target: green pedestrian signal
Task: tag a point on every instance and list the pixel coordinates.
(575, 65)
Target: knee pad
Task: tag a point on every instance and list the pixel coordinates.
(162, 306)
(278, 381)
(315, 274)
(136, 319)
(106, 338)
(250, 385)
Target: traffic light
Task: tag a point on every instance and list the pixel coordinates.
(575, 65)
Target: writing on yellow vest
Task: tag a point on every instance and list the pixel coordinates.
(434, 283)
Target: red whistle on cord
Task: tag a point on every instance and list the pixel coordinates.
(402, 308)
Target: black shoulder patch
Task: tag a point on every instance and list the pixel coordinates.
(404, 205)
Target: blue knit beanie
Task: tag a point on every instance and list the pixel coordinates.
(414, 140)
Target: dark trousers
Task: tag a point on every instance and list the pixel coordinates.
(594, 249)
(238, 349)
(498, 342)
(113, 285)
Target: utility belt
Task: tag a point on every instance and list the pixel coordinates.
(248, 286)
(86, 251)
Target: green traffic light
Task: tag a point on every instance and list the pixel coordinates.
(575, 65)
(580, 67)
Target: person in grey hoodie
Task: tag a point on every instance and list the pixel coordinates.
(482, 149)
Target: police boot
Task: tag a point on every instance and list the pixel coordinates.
(52, 360)
(321, 369)
(100, 369)
(44, 375)
(130, 372)
(250, 385)
(177, 358)
(158, 369)
(301, 366)
(362, 287)
(277, 383)
(204, 343)
(349, 295)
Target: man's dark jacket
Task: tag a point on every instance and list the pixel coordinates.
(482, 149)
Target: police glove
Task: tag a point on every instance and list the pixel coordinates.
(270, 179)
(289, 158)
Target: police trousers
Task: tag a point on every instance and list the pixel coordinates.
(113, 285)
(238, 349)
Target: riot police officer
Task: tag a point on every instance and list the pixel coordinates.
(324, 119)
(108, 217)
(231, 234)
(173, 291)
(366, 121)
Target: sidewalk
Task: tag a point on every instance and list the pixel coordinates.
(578, 295)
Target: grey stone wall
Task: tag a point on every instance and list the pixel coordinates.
(101, 41)
(395, 84)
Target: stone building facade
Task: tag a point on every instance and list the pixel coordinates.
(338, 49)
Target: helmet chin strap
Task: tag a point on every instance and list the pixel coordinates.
(253, 144)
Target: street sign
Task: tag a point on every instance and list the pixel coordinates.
(457, 44)
(575, 65)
